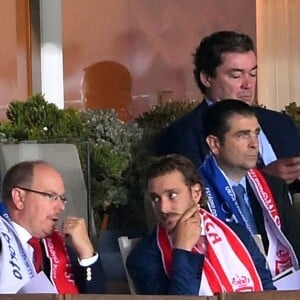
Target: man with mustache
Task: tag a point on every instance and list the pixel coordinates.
(189, 246)
(226, 68)
(33, 197)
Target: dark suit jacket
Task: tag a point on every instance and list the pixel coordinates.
(89, 280)
(185, 136)
(145, 267)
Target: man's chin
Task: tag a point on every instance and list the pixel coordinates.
(169, 228)
(170, 231)
(247, 100)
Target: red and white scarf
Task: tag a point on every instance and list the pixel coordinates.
(227, 267)
(281, 255)
(61, 272)
(20, 269)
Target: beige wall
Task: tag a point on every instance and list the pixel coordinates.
(14, 80)
(278, 52)
(154, 39)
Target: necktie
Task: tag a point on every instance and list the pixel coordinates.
(260, 161)
(37, 253)
(239, 192)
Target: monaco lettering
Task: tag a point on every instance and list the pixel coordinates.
(13, 259)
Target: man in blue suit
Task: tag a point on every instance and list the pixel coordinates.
(189, 246)
(226, 68)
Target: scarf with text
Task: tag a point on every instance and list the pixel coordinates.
(20, 267)
(61, 273)
(227, 266)
(223, 204)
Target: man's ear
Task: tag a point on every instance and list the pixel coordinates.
(196, 192)
(213, 143)
(205, 79)
(18, 197)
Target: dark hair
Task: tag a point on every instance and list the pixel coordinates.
(163, 165)
(20, 174)
(215, 119)
(208, 55)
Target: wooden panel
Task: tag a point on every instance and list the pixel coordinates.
(14, 50)
(23, 47)
(268, 295)
(135, 297)
(32, 297)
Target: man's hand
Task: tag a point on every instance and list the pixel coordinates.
(286, 168)
(188, 229)
(76, 229)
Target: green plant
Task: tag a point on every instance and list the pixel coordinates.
(111, 154)
(118, 151)
(36, 119)
(152, 124)
(294, 112)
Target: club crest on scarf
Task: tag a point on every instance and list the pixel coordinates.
(241, 284)
(283, 261)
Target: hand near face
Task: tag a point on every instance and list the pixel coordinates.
(286, 168)
(188, 229)
(75, 228)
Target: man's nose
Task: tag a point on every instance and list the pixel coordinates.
(60, 205)
(247, 82)
(164, 205)
(253, 140)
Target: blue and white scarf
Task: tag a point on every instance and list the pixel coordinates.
(18, 268)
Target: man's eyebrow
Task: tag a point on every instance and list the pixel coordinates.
(242, 70)
(243, 131)
(152, 194)
(248, 130)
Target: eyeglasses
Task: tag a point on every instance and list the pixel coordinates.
(52, 197)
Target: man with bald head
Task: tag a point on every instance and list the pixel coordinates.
(33, 197)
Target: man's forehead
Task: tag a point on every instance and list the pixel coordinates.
(239, 60)
(43, 173)
(174, 175)
(237, 120)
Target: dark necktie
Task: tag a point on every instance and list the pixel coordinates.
(37, 253)
(260, 161)
(239, 192)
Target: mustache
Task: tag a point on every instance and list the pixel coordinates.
(166, 216)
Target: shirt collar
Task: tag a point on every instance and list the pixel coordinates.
(23, 234)
(209, 102)
(242, 182)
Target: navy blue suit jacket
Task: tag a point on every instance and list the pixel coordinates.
(145, 267)
(89, 280)
(185, 135)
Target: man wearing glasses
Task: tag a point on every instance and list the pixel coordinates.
(33, 197)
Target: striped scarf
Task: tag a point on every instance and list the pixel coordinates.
(227, 266)
(223, 204)
(21, 269)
